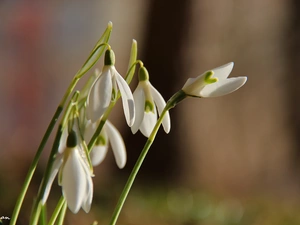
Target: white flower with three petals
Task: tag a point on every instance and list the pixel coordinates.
(147, 99)
(214, 83)
(74, 174)
(76, 181)
(106, 88)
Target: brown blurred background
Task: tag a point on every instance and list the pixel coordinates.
(228, 160)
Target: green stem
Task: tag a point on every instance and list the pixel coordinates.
(39, 152)
(37, 213)
(52, 156)
(33, 167)
(62, 214)
(136, 169)
(57, 210)
(173, 101)
(43, 217)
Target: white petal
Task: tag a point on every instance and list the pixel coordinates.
(160, 103)
(127, 99)
(223, 72)
(117, 144)
(74, 180)
(87, 201)
(98, 154)
(223, 87)
(148, 123)
(86, 205)
(63, 140)
(100, 96)
(139, 100)
(190, 81)
(55, 167)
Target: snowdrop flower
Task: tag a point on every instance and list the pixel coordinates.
(74, 175)
(109, 134)
(147, 99)
(105, 89)
(214, 83)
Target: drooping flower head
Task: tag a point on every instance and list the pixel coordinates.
(148, 101)
(214, 83)
(75, 176)
(109, 134)
(75, 172)
(106, 88)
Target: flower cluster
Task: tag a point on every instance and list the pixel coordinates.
(75, 160)
(84, 134)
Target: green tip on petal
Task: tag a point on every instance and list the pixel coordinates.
(149, 106)
(101, 141)
(114, 95)
(209, 79)
(109, 59)
(72, 139)
(143, 74)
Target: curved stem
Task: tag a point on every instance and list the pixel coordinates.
(33, 166)
(43, 217)
(35, 218)
(136, 169)
(172, 102)
(43, 185)
(57, 210)
(36, 211)
(62, 214)
(131, 70)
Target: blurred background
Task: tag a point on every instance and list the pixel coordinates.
(228, 160)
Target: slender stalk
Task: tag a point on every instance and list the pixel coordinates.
(43, 185)
(33, 167)
(43, 217)
(40, 150)
(35, 219)
(57, 210)
(136, 168)
(173, 101)
(62, 214)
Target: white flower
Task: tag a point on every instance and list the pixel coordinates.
(74, 175)
(214, 83)
(76, 181)
(109, 134)
(147, 98)
(105, 89)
